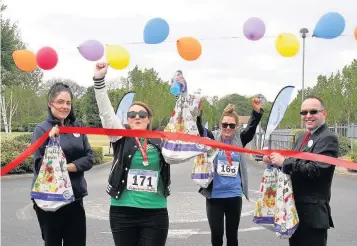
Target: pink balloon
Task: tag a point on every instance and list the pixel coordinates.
(254, 29)
(46, 58)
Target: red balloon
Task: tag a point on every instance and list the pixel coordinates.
(46, 58)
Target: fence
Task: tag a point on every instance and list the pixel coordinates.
(348, 131)
(285, 138)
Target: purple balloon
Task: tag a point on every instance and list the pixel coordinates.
(91, 50)
(254, 29)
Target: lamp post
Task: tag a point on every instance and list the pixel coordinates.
(303, 32)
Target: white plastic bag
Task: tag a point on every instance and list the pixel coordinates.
(286, 217)
(265, 207)
(203, 167)
(183, 120)
(52, 188)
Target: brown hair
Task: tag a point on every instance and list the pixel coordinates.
(148, 110)
(230, 111)
(318, 99)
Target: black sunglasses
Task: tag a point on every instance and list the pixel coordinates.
(133, 114)
(225, 125)
(312, 111)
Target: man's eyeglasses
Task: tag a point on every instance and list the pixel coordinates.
(133, 114)
(225, 125)
(312, 111)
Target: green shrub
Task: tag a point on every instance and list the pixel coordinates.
(10, 149)
(24, 138)
(345, 145)
(354, 156)
(98, 155)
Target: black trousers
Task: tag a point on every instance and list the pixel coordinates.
(217, 209)
(306, 236)
(136, 226)
(67, 225)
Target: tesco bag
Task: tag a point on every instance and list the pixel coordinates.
(52, 188)
(183, 120)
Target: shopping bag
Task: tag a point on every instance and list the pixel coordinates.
(265, 207)
(52, 188)
(183, 120)
(286, 217)
(203, 167)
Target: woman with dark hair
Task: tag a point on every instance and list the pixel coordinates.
(67, 224)
(139, 179)
(230, 182)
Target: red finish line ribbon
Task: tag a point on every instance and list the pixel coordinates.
(174, 136)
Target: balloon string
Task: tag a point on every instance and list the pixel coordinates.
(200, 39)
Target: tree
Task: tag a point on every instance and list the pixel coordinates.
(89, 109)
(77, 90)
(339, 93)
(11, 41)
(9, 106)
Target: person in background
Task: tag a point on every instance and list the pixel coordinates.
(230, 183)
(311, 180)
(139, 179)
(67, 224)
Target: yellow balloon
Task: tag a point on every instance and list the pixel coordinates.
(117, 56)
(287, 44)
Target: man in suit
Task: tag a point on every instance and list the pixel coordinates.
(311, 180)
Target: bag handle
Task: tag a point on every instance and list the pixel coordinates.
(55, 142)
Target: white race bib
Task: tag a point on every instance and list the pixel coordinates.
(142, 180)
(225, 169)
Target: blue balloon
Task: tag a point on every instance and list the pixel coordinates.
(156, 31)
(330, 25)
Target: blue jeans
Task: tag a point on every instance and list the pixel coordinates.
(139, 227)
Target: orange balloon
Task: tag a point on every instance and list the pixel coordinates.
(25, 60)
(189, 48)
(356, 33)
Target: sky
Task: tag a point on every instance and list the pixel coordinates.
(226, 65)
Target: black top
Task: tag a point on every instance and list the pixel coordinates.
(76, 149)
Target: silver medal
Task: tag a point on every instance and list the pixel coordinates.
(146, 163)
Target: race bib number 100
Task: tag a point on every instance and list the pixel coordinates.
(224, 169)
(142, 180)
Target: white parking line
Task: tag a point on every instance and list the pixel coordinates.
(186, 233)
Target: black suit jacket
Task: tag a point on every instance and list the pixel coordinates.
(312, 180)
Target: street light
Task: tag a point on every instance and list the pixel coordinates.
(303, 32)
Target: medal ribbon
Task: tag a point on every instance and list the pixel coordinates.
(143, 149)
(229, 157)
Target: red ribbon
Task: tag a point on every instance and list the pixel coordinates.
(174, 136)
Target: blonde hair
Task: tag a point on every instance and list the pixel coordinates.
(230, 111)
(148, 110)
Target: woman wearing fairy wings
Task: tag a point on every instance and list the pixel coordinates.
(139, 178)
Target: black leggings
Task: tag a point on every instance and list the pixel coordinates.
(216, 209)
(67, 224)
(136, 226)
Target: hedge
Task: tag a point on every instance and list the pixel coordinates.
(98, 155)
(11, 148)
(354, 156)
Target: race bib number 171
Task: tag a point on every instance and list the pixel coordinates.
(142, 180)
